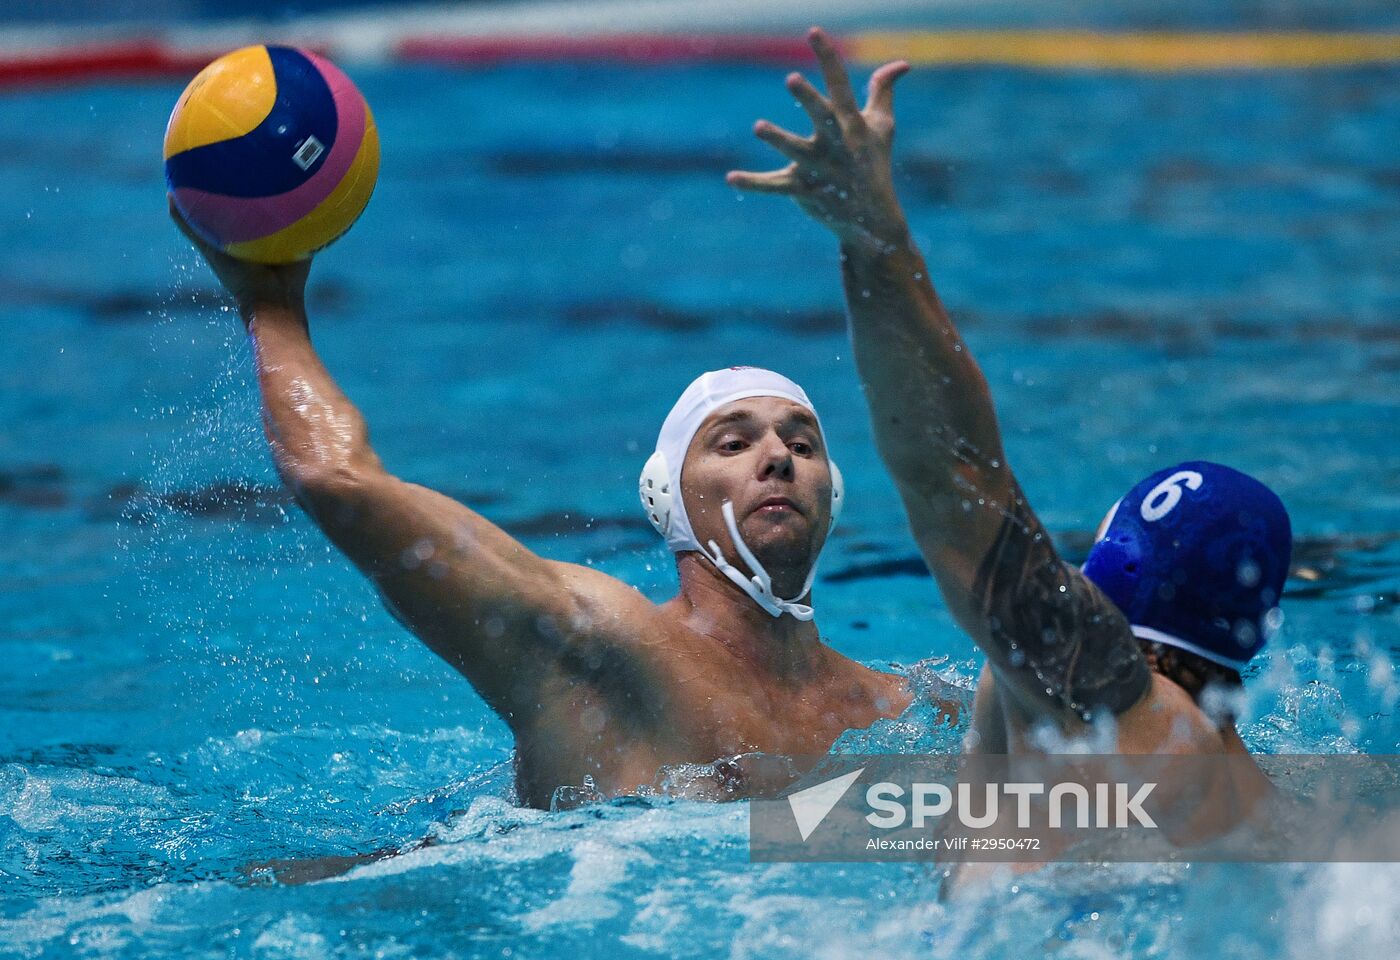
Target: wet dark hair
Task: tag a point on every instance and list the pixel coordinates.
(1187, 670)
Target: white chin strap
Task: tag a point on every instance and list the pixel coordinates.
(760, 585)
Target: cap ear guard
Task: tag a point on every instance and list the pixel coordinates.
(838, 494)
(655, 489)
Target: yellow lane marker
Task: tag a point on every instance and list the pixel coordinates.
(1147, 52)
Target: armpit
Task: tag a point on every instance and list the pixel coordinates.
(1051, 627)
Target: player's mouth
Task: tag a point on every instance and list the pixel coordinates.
(776, 505)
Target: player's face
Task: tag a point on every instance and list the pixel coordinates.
(767, 457)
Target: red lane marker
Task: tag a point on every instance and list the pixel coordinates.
(150, 59)
(136, 60)
(632, 48)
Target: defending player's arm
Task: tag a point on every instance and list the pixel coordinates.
(493, 609)
(1058, 645)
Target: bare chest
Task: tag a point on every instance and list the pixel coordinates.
(754, 715)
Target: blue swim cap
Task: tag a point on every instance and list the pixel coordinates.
(1196, 556)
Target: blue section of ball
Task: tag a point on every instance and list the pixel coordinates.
(260, 163)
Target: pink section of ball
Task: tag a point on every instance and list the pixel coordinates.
(224, 220)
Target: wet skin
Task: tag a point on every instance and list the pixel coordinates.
(593, 679)
(1057, 649)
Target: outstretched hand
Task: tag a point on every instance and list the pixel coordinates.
(841, 174)
(252, 285)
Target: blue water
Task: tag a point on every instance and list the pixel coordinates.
(1149, 268)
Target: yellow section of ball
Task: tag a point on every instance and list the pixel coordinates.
(227, 99)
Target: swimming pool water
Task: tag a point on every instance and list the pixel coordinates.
(1149, 268)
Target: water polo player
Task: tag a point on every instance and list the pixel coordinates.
(598, 684)
(1180, 590)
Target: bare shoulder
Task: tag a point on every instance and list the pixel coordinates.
(1167, 720)
(886, 694)
(595, 586)
(605, 607)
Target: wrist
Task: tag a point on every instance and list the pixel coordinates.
(272, 310)
(875, 237)
(878, 222)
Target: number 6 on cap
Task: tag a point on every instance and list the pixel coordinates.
(1167, 494)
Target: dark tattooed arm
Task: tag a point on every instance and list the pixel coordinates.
(1058, 646)
(1052, 635)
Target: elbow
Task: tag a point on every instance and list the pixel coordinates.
(319, 480)
(328, 492)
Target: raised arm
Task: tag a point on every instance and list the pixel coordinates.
(490, 607)
(1058, 645)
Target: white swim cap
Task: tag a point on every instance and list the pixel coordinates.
(660, 484)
